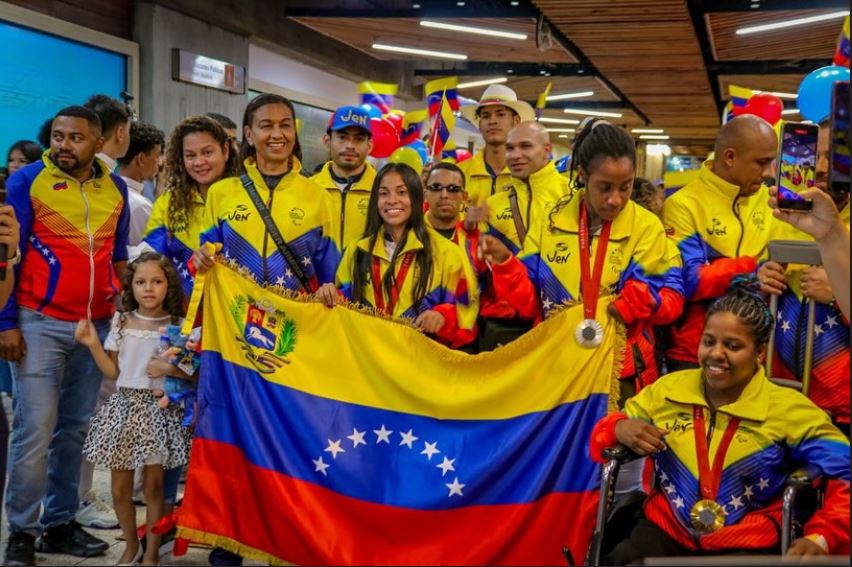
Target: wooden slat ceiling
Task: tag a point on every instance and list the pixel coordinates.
(648, 49)
(814, 41)
(528, 88)
(407, 32)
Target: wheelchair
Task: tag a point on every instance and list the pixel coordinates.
(807, 482)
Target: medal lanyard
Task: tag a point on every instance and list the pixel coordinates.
(590, 287)
(709, 479)
(398, 281)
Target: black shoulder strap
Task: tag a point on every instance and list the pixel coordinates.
(516, 216)
(273, 231)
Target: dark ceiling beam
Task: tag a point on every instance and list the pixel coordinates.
(696, 15)
(583, 60)
(774, 67)
(510, 69)
(771, 5)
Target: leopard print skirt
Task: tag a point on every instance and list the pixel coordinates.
(131, 430)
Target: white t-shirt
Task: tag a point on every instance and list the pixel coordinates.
(135, 348)
(140, 210)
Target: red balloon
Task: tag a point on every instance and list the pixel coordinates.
(765, 105)
(396, 120)
(462, 155)
(385, 137)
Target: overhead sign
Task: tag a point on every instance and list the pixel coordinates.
(200, 70)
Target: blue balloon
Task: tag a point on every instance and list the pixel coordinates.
(421, 149)
(814, 96)
(562, 164)
(372, 110)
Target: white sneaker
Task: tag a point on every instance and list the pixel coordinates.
(95, 513)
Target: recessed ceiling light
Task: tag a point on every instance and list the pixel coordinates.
(653, 137)
(460, 3)
(571, 130)
(793, 22)
(549, 120)
(647, 130)
(415, 51)
(514, 3)
(565, 96)
(563, 135)
(472, 29)
(592, 112)
(416, 6)
(482, 83)
(788, 111)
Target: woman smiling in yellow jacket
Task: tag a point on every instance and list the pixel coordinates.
(404, 269)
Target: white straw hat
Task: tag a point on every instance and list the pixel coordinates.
(499, 95)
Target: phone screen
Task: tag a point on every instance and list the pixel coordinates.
(796, 164)
(839, 171)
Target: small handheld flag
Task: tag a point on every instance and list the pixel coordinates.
(542, 101)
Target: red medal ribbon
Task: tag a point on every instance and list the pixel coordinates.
(709, 479)
(407, 260)
(590, 287)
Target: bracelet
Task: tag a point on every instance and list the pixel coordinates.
(14, 260)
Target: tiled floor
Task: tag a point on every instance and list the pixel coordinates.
(197, 555)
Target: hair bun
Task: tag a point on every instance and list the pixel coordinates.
(748, 284)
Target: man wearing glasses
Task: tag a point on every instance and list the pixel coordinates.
(445, 196)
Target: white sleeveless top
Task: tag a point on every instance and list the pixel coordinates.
(135, 348)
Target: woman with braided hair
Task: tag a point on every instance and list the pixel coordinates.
(595, 242)
(723, 439)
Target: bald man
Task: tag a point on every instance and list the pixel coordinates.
(535, 188)
(721, 224)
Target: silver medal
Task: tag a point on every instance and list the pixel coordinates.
(589, 333)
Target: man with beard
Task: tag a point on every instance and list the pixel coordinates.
(829, 386)
(74, 225)
(349, 142)
(498, 111)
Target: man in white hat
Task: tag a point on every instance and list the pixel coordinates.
(498, 111)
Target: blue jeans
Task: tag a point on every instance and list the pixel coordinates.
(55, 389)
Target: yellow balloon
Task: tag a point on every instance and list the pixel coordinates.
(409, 157)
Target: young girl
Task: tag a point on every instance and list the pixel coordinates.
(131, 430)
(724, 439)
(403, 268)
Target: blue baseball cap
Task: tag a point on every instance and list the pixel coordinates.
(347, 117)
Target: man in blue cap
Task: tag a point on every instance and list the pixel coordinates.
(348, 177)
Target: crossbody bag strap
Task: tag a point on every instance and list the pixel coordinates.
(516, 216)
(273, 231)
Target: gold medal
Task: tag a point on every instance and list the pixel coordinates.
(589, 333)
(707, 516)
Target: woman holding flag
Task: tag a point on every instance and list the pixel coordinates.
(596, 240)
(404, 269)
(272, 220)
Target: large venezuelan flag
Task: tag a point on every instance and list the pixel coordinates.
(331, 436)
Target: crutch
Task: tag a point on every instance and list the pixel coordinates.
(794, 252)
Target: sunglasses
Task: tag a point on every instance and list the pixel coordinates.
(437, 188)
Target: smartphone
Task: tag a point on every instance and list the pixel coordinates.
(838, 172)
(796, 165)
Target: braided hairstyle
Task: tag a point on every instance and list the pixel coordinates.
(745, 301)
(597, 139)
